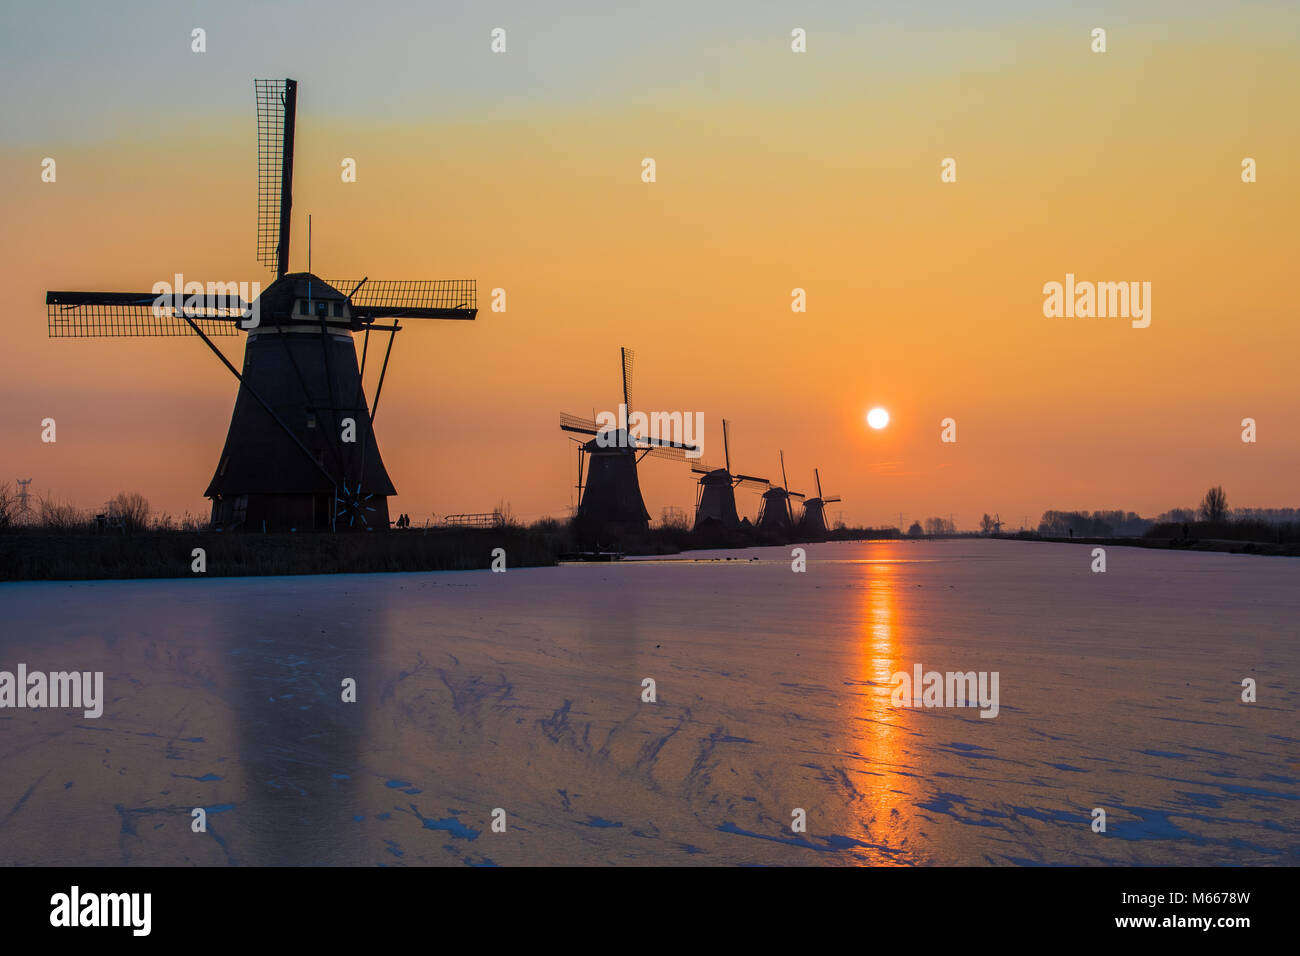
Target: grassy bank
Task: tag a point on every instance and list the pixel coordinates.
(1178, 543)
(29, 554)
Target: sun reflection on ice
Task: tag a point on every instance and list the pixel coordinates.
(889, 789)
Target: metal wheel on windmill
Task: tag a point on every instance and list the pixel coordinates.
(611, 497)
(715, 496)
(777, 513)
(813, 520)
(301, 451)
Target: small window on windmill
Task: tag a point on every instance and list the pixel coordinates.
(338, 310)
(311, 419)
(323, 309)
(302, 307)
(224, 462)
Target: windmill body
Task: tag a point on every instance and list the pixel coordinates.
(612, 494)
(777, 513)
(312, 382)
(301, 452)
(812, 522)
(715, 499)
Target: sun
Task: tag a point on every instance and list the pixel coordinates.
(877, 418)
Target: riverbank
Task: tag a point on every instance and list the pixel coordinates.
(1268, 548)
(32, 555)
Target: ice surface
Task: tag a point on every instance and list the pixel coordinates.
(523, 691)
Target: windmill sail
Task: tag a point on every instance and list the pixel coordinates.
(276, 115)
(135, 314)
(410, 298)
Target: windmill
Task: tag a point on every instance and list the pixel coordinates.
(715, 499)
(776, 513)
(301, 451)
(611, 497)
(813, 520)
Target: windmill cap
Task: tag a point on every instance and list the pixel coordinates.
(281, 294)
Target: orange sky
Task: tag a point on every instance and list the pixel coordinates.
(923, 297)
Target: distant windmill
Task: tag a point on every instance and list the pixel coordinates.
(813, 520)
(301, 451)
(611, 496)
(777, 514)
(715, 499)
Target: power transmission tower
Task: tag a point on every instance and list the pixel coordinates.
(23, 506)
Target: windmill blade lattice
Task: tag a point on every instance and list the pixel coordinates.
(132, 314)
(410, 298)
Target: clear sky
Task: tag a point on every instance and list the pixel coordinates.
(775, 170)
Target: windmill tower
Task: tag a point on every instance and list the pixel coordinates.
(611, 497)
(813, 520)
(777, 514)
(301, 451)
(715, 498)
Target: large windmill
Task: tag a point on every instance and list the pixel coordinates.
(715, 499)
(777, 514)
(813, 520)
(611, 497)
(301, 450)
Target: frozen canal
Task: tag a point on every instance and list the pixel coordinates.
(522, 691)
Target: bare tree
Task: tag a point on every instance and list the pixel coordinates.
(505, 513)
(986, 524)
(58, 516)
(6, 507)
(936, 527)
(1214, 506)
(675, 518)
(131, 509)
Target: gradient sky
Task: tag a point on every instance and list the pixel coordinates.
(775, 171)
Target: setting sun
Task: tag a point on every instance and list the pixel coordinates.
(877, 418)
